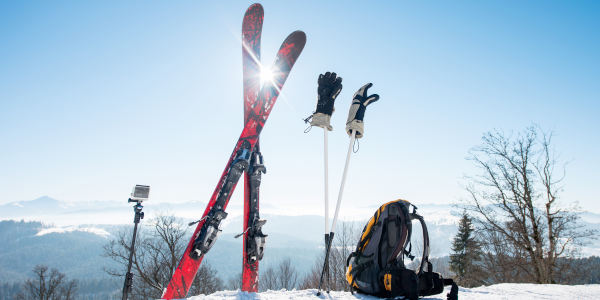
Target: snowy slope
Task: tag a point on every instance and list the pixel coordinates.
(97, 231)
(493, 292)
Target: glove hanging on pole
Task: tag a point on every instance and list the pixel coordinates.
(358, 107)
(329, 87)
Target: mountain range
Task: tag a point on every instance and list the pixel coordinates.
(441, 218)
(78, 230)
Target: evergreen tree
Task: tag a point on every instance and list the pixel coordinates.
(464, 261)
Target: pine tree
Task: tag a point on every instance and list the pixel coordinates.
(464, 261)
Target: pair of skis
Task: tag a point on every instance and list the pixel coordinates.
(245, 158)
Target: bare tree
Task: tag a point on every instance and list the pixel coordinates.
(504, 263)
(442, 266)
(344, 243)
(206, 282)
(48, 284)
(311, 280)
(283, 276)
(159, 246)
(235, 283)
(268, 280)
(287, 276)
(515, 201)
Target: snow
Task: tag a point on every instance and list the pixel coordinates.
(493, 292)
(96, 231)
(440, 218)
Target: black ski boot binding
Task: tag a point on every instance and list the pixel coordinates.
(208, 234)
(256, 170)
(255, 244)
(212, 225)
(255, 240)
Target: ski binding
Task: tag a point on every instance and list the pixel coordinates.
(255, 240)
(212, 225)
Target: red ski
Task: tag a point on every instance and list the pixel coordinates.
(253, 238)
(208, 229)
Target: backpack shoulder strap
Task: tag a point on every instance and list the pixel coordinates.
(425, 257)
(404, 232)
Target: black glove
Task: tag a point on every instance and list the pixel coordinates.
(360, 101)
(329, 87)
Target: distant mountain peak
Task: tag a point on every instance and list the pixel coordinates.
(43, 198)
(46, 201)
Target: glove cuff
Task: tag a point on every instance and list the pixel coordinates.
(356, 125)
(321, 120)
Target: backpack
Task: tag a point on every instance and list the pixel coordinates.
(376, 267)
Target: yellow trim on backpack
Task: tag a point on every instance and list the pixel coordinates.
(387, 281)
(348, 275)
(373, 221)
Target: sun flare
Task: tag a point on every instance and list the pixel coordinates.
(266, 75)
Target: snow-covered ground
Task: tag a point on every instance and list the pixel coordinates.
(96, 231)
(493, 292)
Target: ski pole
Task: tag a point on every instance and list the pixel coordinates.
(326, 153)
(354, 128)
(326, 185)
(326, 188)
(339, 201)
(337, 210)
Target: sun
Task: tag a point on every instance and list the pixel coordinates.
(266, 75)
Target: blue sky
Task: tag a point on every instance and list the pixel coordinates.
(96, 97)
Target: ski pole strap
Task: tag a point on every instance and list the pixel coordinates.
(308, 120)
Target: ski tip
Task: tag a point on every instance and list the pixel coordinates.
(297, 37)
(253, 19)
(299, 34)
(256, 7)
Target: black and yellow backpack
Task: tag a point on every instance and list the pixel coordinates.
(376, 267)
